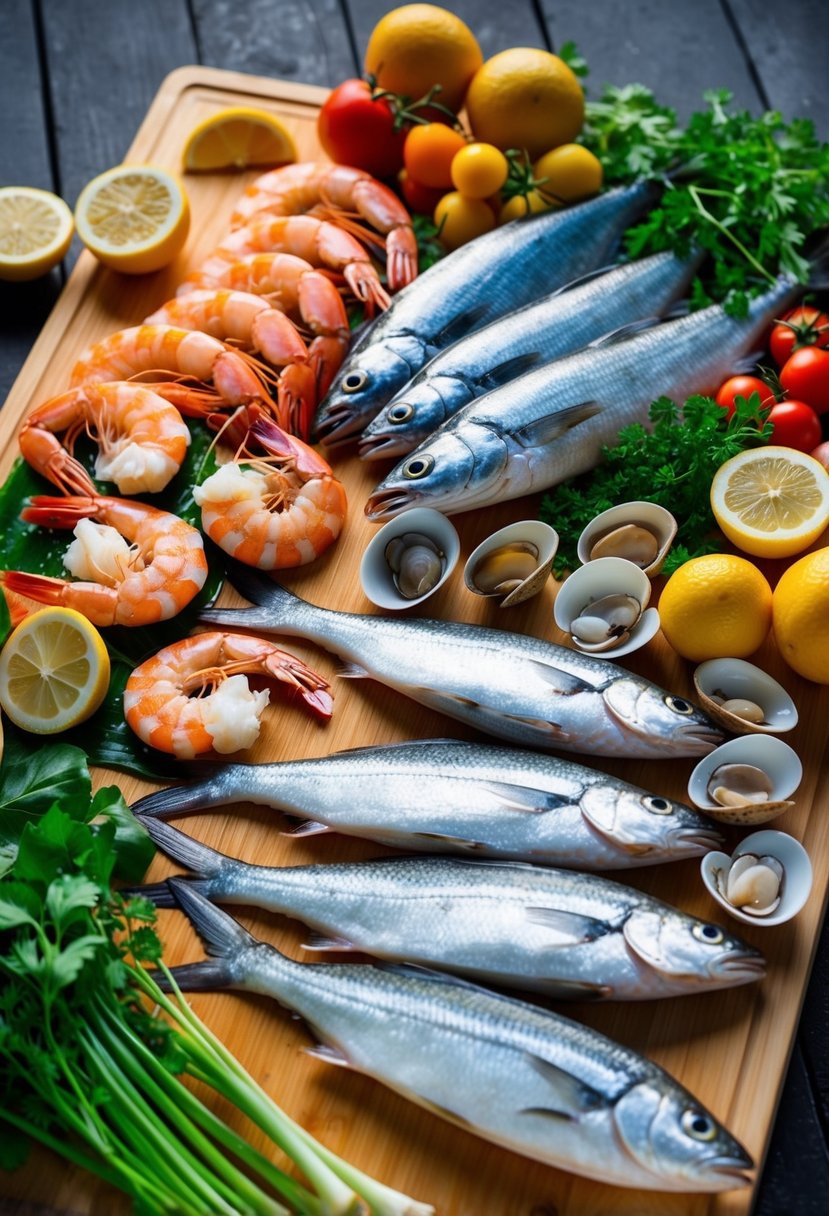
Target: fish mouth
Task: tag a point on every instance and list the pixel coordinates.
(697, 839)
(731, 1167)
(337, 427)
(378, 447)
(741, 964)
(703, 738)
(384, 504)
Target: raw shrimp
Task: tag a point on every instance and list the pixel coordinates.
(238, 316)
(276, 511)
(142, 439)
(150, 579)
(337, 193)
(224, 717)
(293, 286)
(314, 240)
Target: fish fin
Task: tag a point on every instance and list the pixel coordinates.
(581, 281)
(444, 1112)
(221, 935)
(208, 976)
(678, 310)
(747, 364)
(351, 671)
(572, 1096)
(157, 893)
(311, 827)
(192, 854)
(318, 942)
(552, 426)
(331, 1055)
(819, 268)
(455, 842)
(623, 332)
(548, 1113)
(510, 369)
(459, 326)
(575, 990)
(569, 928)
(523, 798)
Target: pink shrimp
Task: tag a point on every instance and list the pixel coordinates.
(151, 579)
(224, 717)
(142, 438)
(337, 193)
(314, 240)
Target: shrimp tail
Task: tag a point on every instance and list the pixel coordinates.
(277, 442)
(313, 689)
(38, 587)
(53, 512)
(296, 399)
(363, 282)
(401, 257)
(327, 354)
(44, 453)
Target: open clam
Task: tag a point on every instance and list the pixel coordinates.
(639, 532)
(603, 607)
(748, 780)
(409, 558)
(743, 698)
(514, 563)
(766, 880)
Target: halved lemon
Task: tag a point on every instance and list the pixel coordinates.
(239, 137)
(35, 232)
(54, 671)
(134, 218)
(772, 501)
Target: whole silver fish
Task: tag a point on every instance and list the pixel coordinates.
(483, 280)
(555, 325)
(518, 1075)
(568, 935)
(507, 684)
(552, 423)
(445, 795)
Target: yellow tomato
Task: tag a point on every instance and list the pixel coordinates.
(460, 219)
(569, 172)
(523, 204)
(479, 170)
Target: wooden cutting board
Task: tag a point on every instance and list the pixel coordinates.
(730, 1049)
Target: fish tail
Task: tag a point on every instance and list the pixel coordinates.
(190, 853)
(180, 799)
(221, 935)
(208, 976)
(157, 893)
(274, 605)
(819, 267)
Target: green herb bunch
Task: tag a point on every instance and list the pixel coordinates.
(672, 464)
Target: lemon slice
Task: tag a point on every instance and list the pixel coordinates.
(238, 138)
(771, 502)
(35, 232)
(54, 671)
(134, 218)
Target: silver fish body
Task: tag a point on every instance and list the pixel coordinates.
(483, 280)
(518, 1075)
(551, 424)
(507, 684)
(446, 795)
(555, 325)
(568, 935)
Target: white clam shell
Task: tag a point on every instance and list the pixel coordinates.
(648, 515)
(797, 875)
(607, 576)
(737, 678)
(533, 531)
(376, 576)
(768, 753)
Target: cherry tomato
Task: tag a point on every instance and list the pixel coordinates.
(743, 386)
(354, 129)
(428, 153)
(795, 425)
(802, 326)
(479, 170)
(460, 219)
(806, 376)
(821, 453)
(523, 204)
(419, 198)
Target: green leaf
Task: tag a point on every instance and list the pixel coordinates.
(70, 962)
(33, 775)
(133, 848)
(5, 619)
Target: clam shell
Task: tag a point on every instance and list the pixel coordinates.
(735, 678)
(648, 515)
(600, 578)
(774, 757)
(376, 576)
(797, 875)
(543, 539)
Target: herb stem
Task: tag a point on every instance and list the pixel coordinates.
(695, 193)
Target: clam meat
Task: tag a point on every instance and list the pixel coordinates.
(752, 883)
(631, 541)
(739, 785)
(605, 622)
(504, 569)
(416, 563)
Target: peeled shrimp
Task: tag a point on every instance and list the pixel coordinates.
(142, 439)
(150, 579)
(338, 193)
(314, 240)
(160, 708)
(276, 511)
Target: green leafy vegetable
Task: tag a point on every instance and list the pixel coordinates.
(672, 464)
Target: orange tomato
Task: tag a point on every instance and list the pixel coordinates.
(429, 151)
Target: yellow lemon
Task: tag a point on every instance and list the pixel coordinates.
(54, 671)
(772, 501)
(800, 616)
(134, 218)
(417, 46)
(35, 232)
(525, 98)
(716, 606)
(238, 137)
(568, 173)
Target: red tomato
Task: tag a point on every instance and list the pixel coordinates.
(743, 386)
(356, 130)
(806, 376)
(820, 453)
(429, 151)
(419, 198)
(795, 425)
(802, 326)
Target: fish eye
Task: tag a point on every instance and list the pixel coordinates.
(418, 466)
(698, 1125)
(354, 381)
(401, 412)
(712, 935)
(659, 806)
(679, 705)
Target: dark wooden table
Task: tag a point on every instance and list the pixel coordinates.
(76, 77)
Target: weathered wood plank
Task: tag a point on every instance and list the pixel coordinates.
(788, 45)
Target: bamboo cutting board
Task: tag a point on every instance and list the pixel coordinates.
(730, 1049)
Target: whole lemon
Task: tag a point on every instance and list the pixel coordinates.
(800, 616)
(417, 46)
(716, 606)
(525, 98)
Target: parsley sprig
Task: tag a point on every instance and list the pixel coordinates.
(672, 464)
